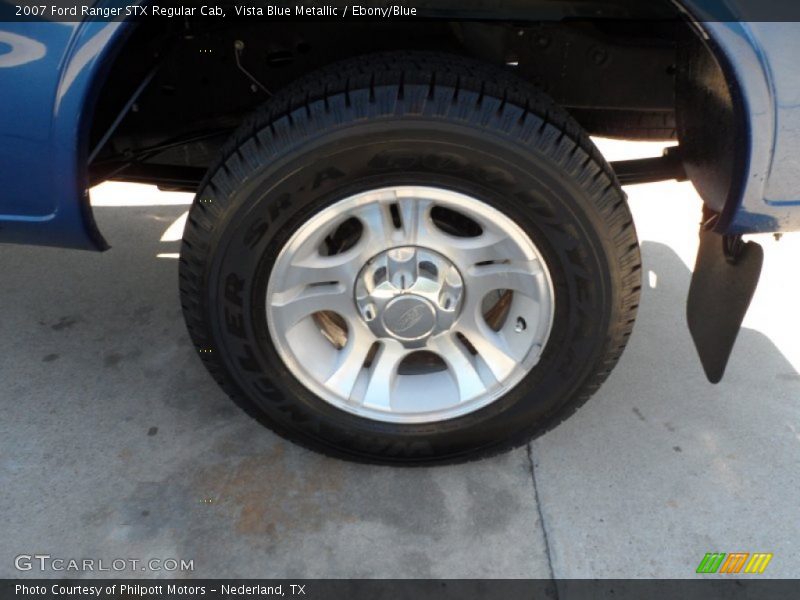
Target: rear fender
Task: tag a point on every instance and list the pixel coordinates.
(50, 78)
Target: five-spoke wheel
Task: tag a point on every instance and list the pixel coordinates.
(410, 304)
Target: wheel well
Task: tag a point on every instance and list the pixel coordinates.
(628, 78)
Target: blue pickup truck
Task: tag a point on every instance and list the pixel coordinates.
(404, 246)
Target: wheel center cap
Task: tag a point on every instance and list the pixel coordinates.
(408, 294)
(409, 317)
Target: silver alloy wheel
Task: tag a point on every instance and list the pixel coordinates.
(392, 323)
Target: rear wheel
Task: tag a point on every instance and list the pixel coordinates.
(410, 258)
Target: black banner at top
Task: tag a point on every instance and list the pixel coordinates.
(332, 10)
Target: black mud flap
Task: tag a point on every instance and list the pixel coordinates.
(725, 278)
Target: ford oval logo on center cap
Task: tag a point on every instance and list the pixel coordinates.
(409, 317)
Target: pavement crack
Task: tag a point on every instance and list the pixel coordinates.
(541, 518)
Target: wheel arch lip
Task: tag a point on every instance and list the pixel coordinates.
(751, 71)
(94, 47)
(66, 218)
(78, 89)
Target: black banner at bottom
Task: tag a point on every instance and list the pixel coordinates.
(401, 589)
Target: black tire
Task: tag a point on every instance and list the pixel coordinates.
(506, 143)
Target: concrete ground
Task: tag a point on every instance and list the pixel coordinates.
(116, 443)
